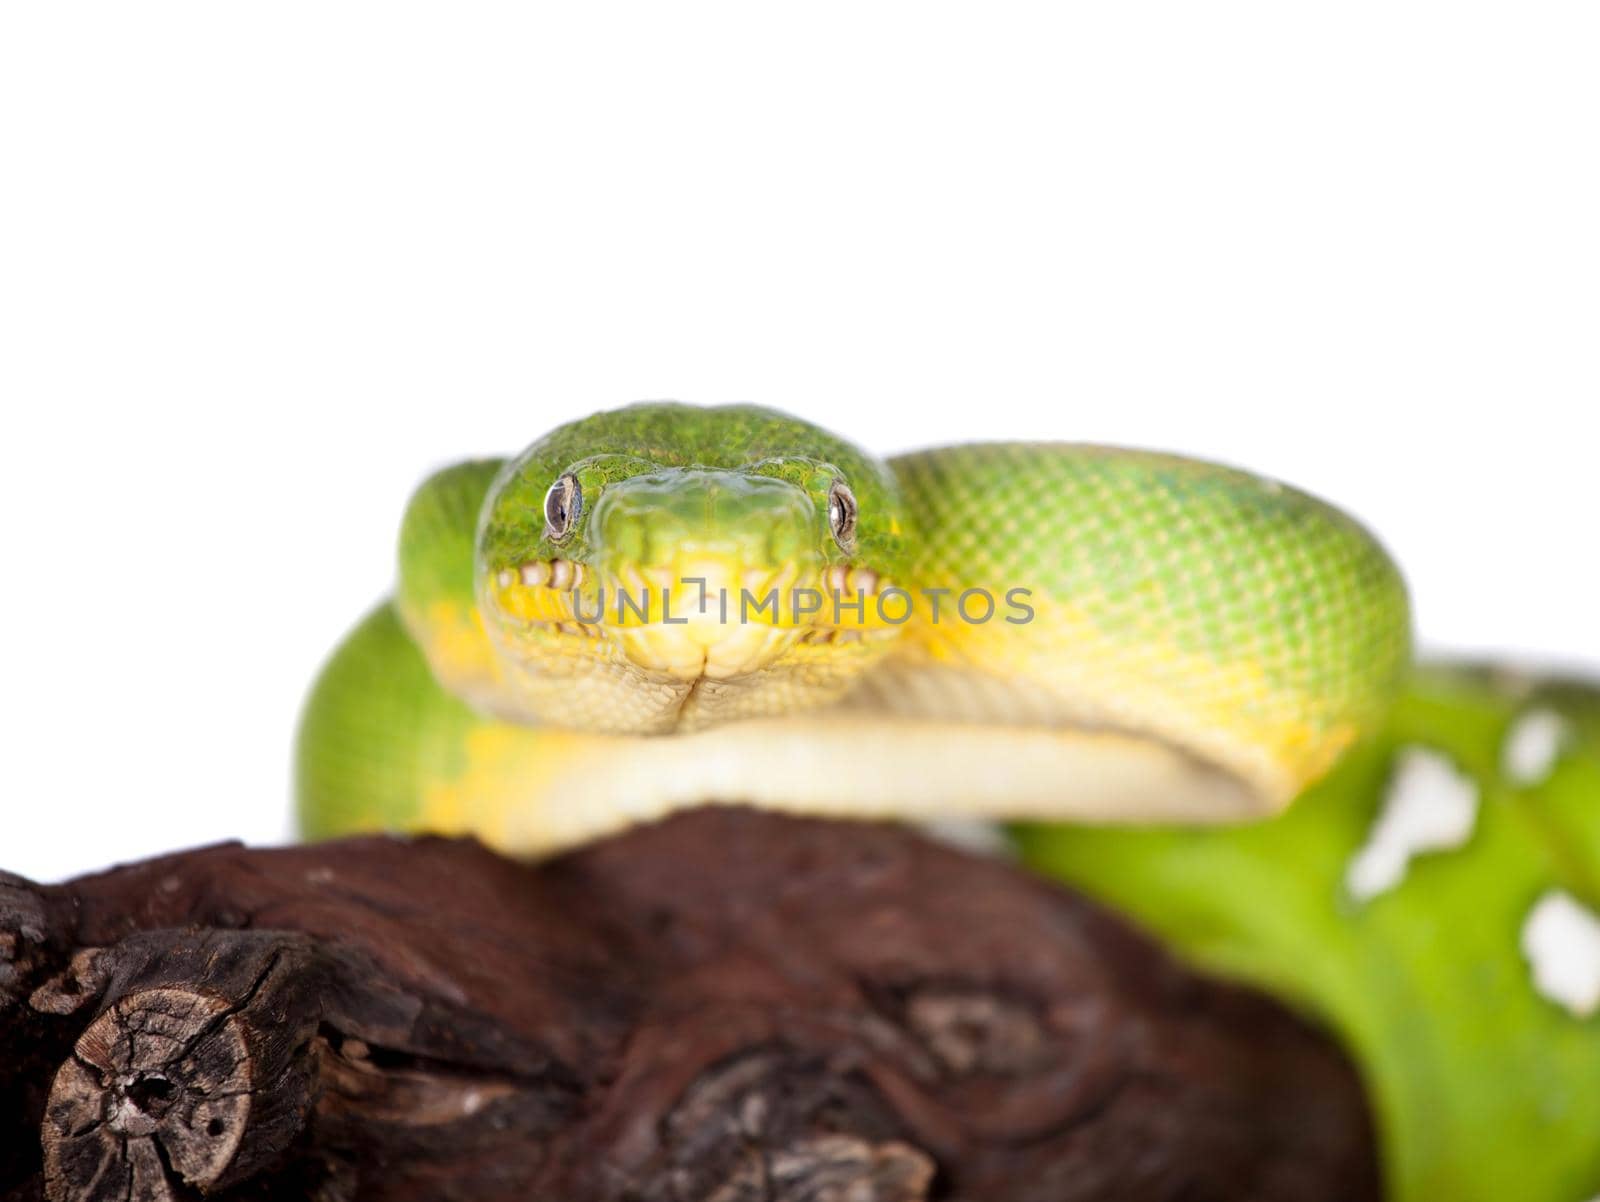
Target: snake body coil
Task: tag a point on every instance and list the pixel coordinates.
(995, 629)
(1088, 634)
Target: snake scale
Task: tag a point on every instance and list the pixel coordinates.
(1143, 658)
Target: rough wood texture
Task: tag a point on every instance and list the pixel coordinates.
(728, 1007)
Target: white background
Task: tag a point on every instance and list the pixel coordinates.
(262, 267)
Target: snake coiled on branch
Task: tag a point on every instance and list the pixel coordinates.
(1194, 685)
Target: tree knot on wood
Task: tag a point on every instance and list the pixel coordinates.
(779, 1125)
(80, 983)
(972, 1032)
(29, 938)
(160, 1081)
(163, 1089)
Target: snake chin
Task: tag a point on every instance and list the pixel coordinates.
(691, 646)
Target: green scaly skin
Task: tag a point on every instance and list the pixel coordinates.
(609, 448)
(1185, 604)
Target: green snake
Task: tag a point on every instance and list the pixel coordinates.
(664, 605)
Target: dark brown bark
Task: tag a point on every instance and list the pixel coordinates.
(727, 1006)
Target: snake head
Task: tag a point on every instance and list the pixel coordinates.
(642, 577)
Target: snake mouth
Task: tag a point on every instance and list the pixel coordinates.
(700, 618)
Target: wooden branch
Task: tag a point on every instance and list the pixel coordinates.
(728, 1007)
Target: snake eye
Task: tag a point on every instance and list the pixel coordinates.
(561, 506)
(842, 514)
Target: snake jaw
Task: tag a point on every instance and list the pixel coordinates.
(703, 618)
(704, 639)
